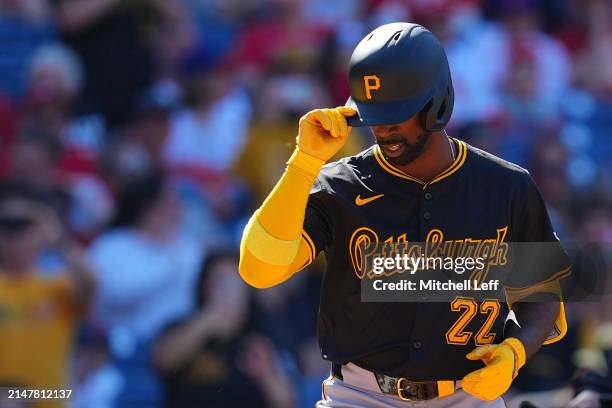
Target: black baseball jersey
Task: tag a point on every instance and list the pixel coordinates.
(361, 197)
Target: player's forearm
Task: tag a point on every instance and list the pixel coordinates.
(271, 249)
(271, 239)
(536, 320)
(282, 212)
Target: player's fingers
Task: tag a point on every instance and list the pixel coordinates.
(341, 121)
(468, 383)
(480, 352)
(474, 376)
(334, 116)
(470, 390)
(478, 375)
(346, 110)
(476, 392)
(468, 386)
(484, 374)
(493, 368)
(319, 117)
(487, 389)
(493, 379)
(330, 123)
(492, 390)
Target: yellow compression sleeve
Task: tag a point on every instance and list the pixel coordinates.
(271, 249)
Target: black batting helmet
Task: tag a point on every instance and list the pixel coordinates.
(397, 71)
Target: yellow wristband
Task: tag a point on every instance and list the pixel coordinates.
(519, 351)
(266, 247)
(305, 162)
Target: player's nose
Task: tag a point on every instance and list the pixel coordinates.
(384, 131)
(381, 130)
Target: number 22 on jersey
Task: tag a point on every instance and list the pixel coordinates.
(469, 308)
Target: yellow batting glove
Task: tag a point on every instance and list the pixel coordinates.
(324, 131)
(502, 364)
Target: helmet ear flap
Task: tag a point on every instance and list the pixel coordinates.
(436, 114)
(425, 114)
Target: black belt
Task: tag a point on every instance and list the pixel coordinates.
(404, 388)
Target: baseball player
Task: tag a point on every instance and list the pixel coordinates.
(415, 181)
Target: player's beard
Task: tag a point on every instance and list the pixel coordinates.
(410, 150)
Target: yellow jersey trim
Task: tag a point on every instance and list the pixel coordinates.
(389, 168)
(311, 246)
(455, 165)
(560, 328)
(557, 276)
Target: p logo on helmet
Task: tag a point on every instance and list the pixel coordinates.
(372, 83)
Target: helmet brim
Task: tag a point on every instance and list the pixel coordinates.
(385, 113)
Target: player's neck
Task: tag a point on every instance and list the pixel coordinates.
(436, 157)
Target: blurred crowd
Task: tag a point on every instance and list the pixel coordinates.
(137, 136)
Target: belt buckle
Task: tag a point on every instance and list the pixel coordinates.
(400, 390)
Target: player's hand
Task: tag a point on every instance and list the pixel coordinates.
(324, 131)
(502, 364)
